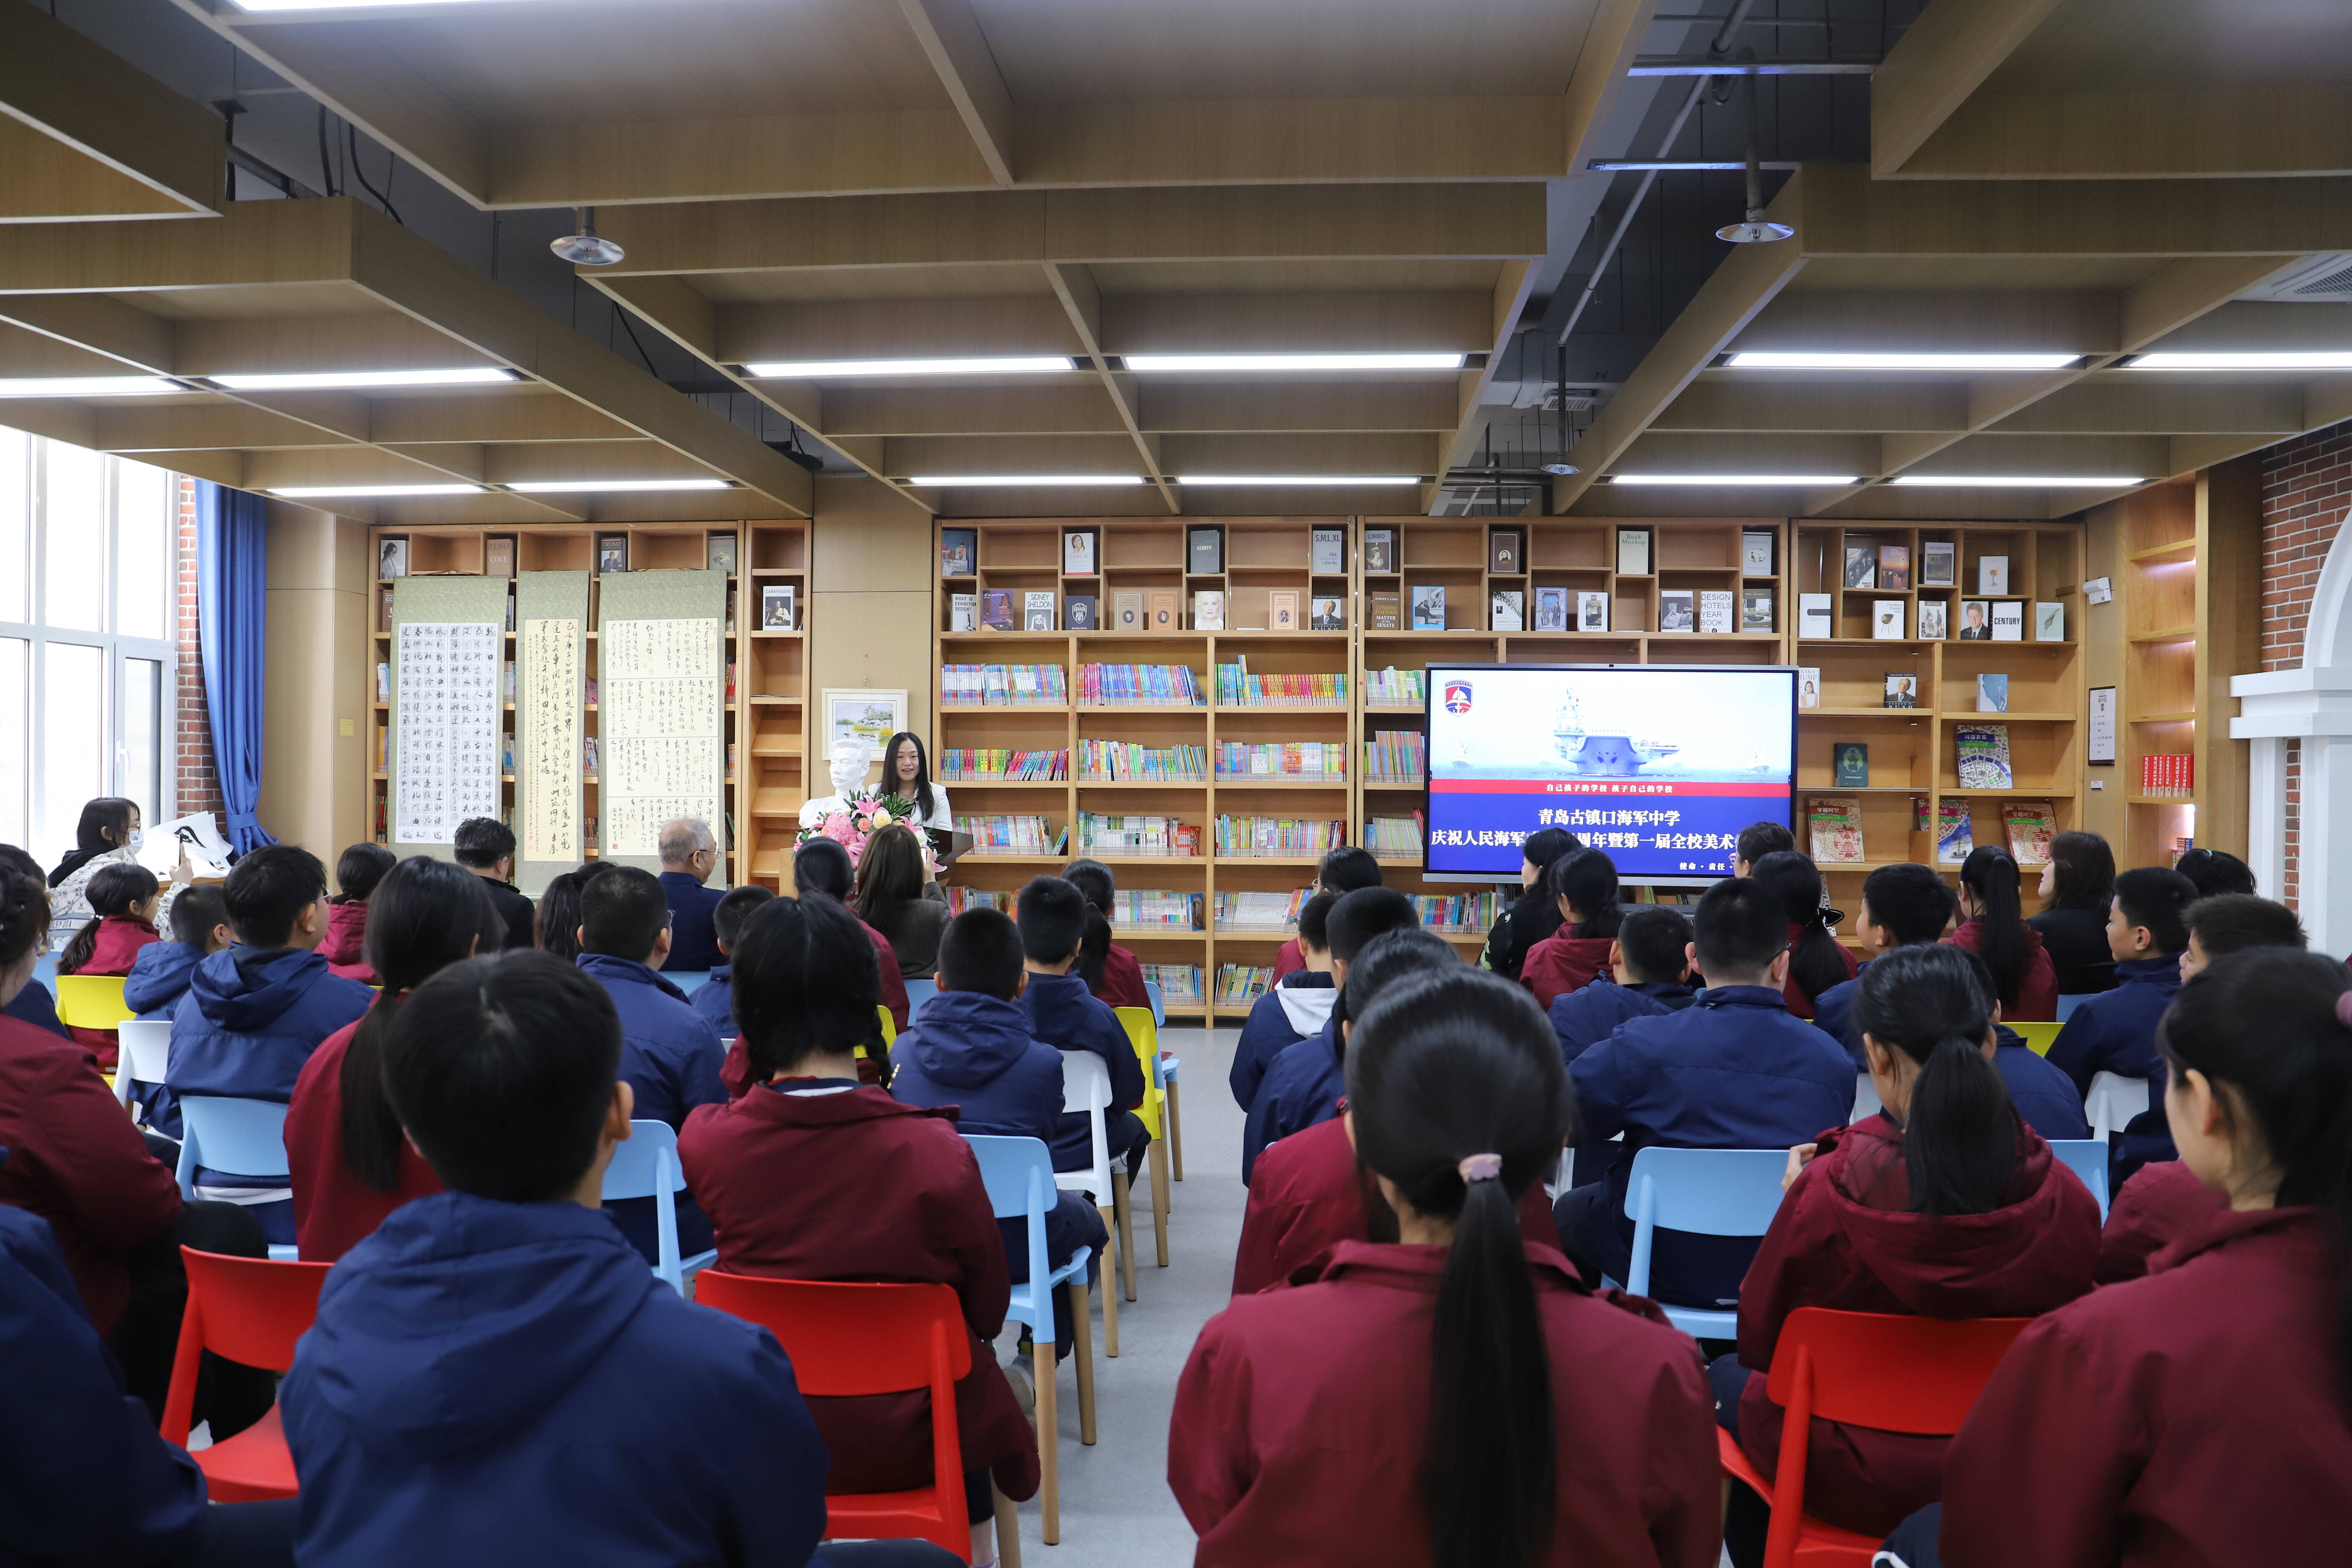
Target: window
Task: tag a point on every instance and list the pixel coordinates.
(88, 560)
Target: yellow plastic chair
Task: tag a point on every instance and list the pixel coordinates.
(92, 1002)
(2040, 1037)
(1144, 1034)
(889, 1027)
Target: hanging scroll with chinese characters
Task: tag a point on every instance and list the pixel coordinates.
(447, 743)
(550, 726)
(661, 721)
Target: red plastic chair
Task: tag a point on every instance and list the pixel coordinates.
(846, 1341)
(251, 1311)
(1896, 1373)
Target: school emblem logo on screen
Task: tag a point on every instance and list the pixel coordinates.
(1457, 697)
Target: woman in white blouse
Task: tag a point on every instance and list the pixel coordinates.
(108, 835)
(907, 770)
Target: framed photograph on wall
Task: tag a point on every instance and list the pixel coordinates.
(866, 712)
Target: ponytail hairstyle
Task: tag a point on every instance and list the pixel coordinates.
(1459, 1097)
(1587, 879)
(1100, 886)
(1815, 963)
(1932, 1003)
(24, 907)
(115, 890)
(422, 917)
(358, 871)
(2002, 943)
(2275, 1027)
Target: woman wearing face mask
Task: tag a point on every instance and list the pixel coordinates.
(108, 835)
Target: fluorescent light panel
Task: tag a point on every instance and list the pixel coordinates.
(1825, 359)
(302, 381)
(2247, 359)
(333, 5)
(1732, 478)
(557, 487)
(825, 369)
(86, 386)
(1063, 480)
(324, 492)
(1149, 362)
(2021, 482)
(1299, 479)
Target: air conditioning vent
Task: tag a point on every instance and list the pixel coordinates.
(2320, 279)
(2335, 285)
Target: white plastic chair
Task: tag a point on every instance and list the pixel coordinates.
(143, 1048)
(2087, 1158)
(244, 1136)
(1865, 1098)
(1085, 1090)
(2113, 1101)
(1703, 1192)
(646, 1166)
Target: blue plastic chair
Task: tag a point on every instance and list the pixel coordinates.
(688, 980)
(646, 1166)
(2069, 1001)
(1159, 1007)
(918, 993)
(1171, 1066)
(247, 1136)
(1705, 1192)
(2087, 1158)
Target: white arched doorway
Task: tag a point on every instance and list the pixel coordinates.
(2308, 708)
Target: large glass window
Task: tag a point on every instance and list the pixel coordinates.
(89, 559)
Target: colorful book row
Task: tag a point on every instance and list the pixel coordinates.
(1004, 685)
(1159, 685)
(1301, 760)
(958, 764)
(1123, 762)
(1278, 835)
(1237, 687)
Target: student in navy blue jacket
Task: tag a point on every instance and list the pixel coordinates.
(159, 977)
(714, 1003)
(1304, 1084)
(1734, 1071)
(971, 1049)
(437, 1409)
(2115, 1031)
(1297, 1005)
(669, 1055)
(1650, 962)
(254, 1013)
(688, 853)
(1051, 914)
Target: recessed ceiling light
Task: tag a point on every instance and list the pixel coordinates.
(1153, 362)
(1836, 359)
(553, 487)
(86, 386)
(2021, 482)
(956, 479)
(1732, 478)
(822, 369)
(323, 492)
(301, 381)
(2246, 359)
(1299, 479)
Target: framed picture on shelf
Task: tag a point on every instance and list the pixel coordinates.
(719, 553)
(959, 552)
(1633, 552)
(1860, 566)
(864, 714)
(776, 607)
(1938, 563)
(1282, 610)
(1976, 621)
(498, 555)
(1078, 613)
(1208, 611)
(1591, 612)
(1078, 551)
(1902, 690)
(1755, 552)
(1935, 619)
(1678, 610)
(1330, 614)
(611, 552)
(1380, 549)
(1551, 609)
(392, 555)
(1506, 552)
(1428, 609)
(1756, 610)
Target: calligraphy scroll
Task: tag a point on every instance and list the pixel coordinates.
(447, 711)
(551, 725)
(661, 713)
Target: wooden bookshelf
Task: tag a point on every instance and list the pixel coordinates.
(766, 714)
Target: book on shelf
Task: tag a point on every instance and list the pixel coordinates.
(1013, 835)
(1506, 552)
(590, 690)
(1808, 686)
(1127, 612)
(1208, 611)
(1205, 551)
(1633, 551)
(1004, 685)
(1755, 552)
(384, 682)
(1394, 688)
(1756, 610)
(1180, 984)
(1079, 551)
(1395, 756)
(993, 764)
(1157, 908)
(1850, 763)
(1592, 611)
(962, 898)
(507, 682)
(1132, 834)
(1282, 610)
(1260, 910)
(1937, 564)
(1834, 822)
(1242, 838)
(1148, 685)
(1955, 837)
(1507, 613)
(1129, 761)
(1237, 687)
(1327, 551)
(1893, 568)
(963, 613)
(1392, 838)
(1037, 610)
(1813, 615)
(1328, 613)
(1677, 609)
(1385, 610)
(776, 606)
(1459, 914)
(1715, 610)
(2049, 621)
(1980, 754)
(1992, 692)
(996, 609)
(1934, 620)
(1380, 549)
(2167, 775)
(1886, 620)
(2030, 825)
(731, 682)
(1551, 609)
(1428, 609)
(1160, 609)
(959, 552)
(1992, 574)
(2008, 620)
(1241, 985)
(1306, 761)
(1860, 566)
(1902, 690)
(1078, 613)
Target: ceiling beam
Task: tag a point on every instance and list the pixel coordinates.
(1510, 302)
(1082, 301)
(1938, 63)
(280, 345)
(980, 326)
(2123, 403)
(1071, 404)
(42, 180)
(1987, 321)
(1404, 320)
(954, 43)
(1731, 402)
(524, 413)
(1301, 141)
(60, 84)
(2179, 131)
(133, 338)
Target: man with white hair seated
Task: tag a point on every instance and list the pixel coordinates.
(688, 852)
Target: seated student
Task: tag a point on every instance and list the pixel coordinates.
(1733, 1070)
(690, 853)
(555, 926)
(1756, 840)
(1307, 1195)
(1344, 870)
(1535, 913)
(2216, 872)
(83, 1477)
(351, 1165)
(822, 866)
(669, 1055)
(1110, 970)
(1293, 1008)
(122, 900)
(1454, 1397)
(898, 897)
(73, 1159)
(159, 978)
(1817, 959)
(357, 872)
(1649, 960)
(254, 1013)
(971, 1049)
(437, 1411)
(714, 1000)
(1991, 927)
(486, 847)
(814, 1175)
(2197, 1415)
(2116, 1030)
(1945, 1205)
(1584, 887)
(1052, 916)
(2078, 886)
(35, 1004)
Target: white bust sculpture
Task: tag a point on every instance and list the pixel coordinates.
(851, 758)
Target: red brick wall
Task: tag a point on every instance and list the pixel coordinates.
(195, 783)
(2306, 490)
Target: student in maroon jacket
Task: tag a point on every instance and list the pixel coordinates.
(2197, 1415)
(812, 1175)
(1817, 959)
(1993, 928)
(1584, 885)
(359, 870)
(1111, 972)
(1340, 871)
(1945, 1204)
(122, 900)
(2159, 1204)
(350, 1163)
(1455, 1398)
(823, 865)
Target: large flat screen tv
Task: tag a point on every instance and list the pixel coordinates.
(1660, 766)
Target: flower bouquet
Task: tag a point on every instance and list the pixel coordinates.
(850, 821)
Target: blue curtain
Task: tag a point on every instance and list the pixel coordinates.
(232, 593)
